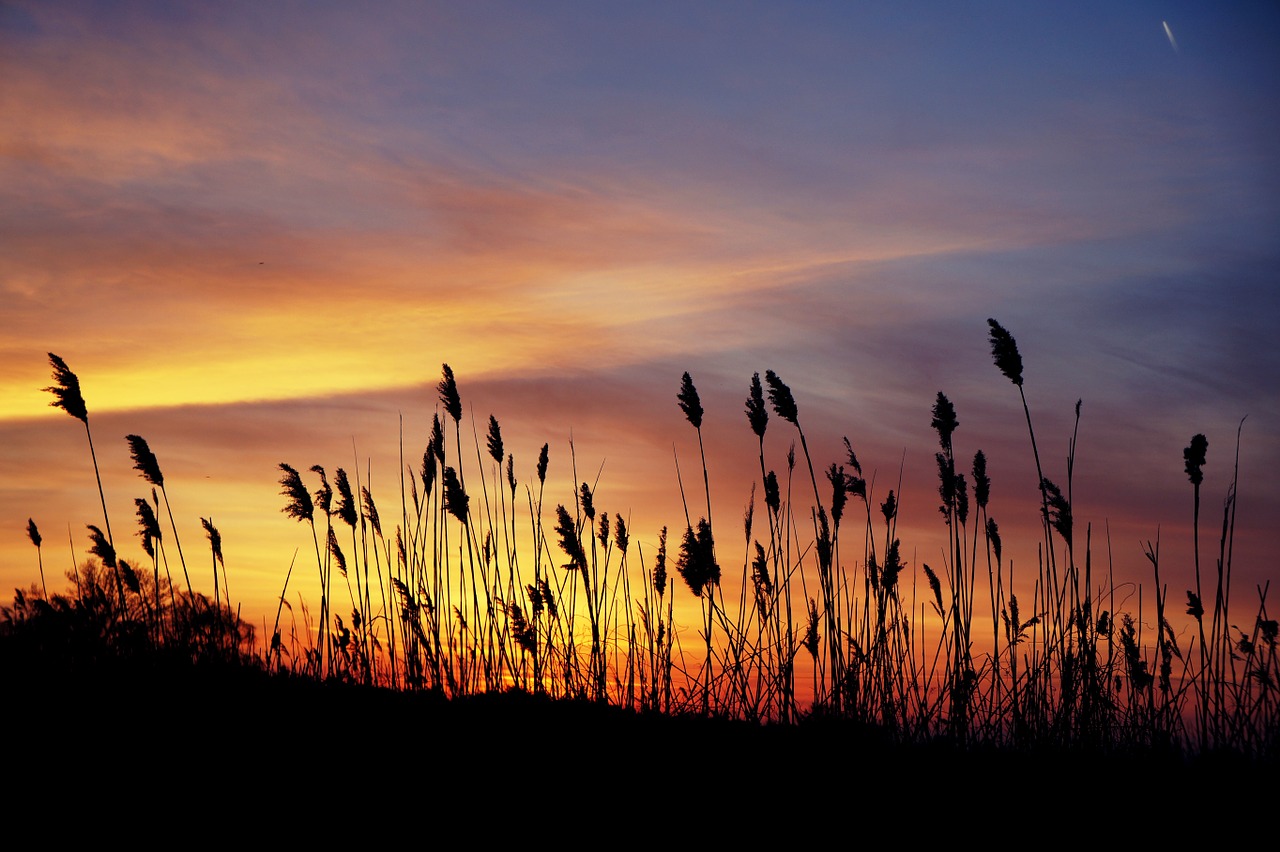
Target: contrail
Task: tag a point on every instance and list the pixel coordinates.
(1173, 42)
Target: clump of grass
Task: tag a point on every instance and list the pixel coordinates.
(873, 638)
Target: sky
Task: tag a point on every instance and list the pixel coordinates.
(256, 232)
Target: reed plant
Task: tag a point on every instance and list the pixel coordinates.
(463, 593)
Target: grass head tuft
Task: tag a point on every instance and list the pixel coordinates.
(784, 404)
(494, 440)
(448, 390)
(299, 505)
(689, 402)
(1194, 456)
(346, 510)
(1004, 351)
(66, 390)
(757, 414)
(144, 460)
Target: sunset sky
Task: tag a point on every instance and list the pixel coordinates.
(257, 230)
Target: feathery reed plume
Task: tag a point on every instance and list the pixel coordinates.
(67, 396)
(543, 460)
(336, 551)
(455, 499)
(620, 536)
(130, 577)
(1194, 455)
(300, 507)
(944, 420)
(144, 460)
(772, 493)
(697, 563)
(511, 474)
(757, 414)
(33, 533)
(810, 641)
(494, 440)
(993, 534)
(66, 390)
(784, 404)
(935, 585)
(569, 541)
(588, 506)
(1057, 510)
(448, 390)
(1004, 352)
(981, 482)
(660, 565)
(324, 494)
(215, 546)
(853, 459)
(760, 579)
(839, 492)
(689, 402)
(215, 540)
(101, 547)
(148, 526)
(436, 442)
(371, 511)
(347, 510)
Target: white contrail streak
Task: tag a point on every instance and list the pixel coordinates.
(1173, 42)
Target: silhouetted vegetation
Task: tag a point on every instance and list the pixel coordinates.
(485, 587)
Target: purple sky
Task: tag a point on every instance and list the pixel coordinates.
(256, 231)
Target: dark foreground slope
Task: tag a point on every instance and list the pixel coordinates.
(228, 746)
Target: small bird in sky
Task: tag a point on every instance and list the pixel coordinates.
(1173, 42)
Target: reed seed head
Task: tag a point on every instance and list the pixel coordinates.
(339, 559)
(660, 565)
(448, 390)
(144, 460)
(1057, 511)
(66, 390)
(148, 525)
(1194, 455)
(455, 498)
(784, 404)
(346, 510)
(588, 506)
(543, 459)
(689, 402)
(371, 511)
(772, 493)
(428, 471)
(324, 494)
(697, 562)
(215, 539)
(299, 505)
(853, 460)
(620, 536)
(981, 482)
(494, 440)
(944, 420)
(757, 414)
(889, 508)
(436, 443)
(101, 548)
(33, 533)
(1004, 351)
(569, 541)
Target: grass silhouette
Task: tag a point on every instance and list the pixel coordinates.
(472, 596)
